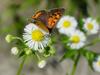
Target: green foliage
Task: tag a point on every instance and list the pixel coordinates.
(71, 54)
(80, 25)
(21, 54)
(90, 56)
(49, 51)
(64, 39)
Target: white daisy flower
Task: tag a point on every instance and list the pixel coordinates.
(91, 26)
(14, 50)
(42, 64)
(96, 64)
(35, 37)
(66, 24)
(77, 39)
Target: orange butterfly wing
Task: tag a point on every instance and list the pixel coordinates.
(41, 25)
(41, 16)
(40, 19)
(53, 16)
(47, 20)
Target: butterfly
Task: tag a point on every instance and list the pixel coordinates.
(47, 19)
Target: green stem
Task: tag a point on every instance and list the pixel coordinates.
(75, 65)
(93, 42)
(38, 57)
(73, 70)
(19, 39)
(21, 66)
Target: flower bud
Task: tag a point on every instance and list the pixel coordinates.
(41, 64)
(14, 50)
(9, 38)
(28, 52)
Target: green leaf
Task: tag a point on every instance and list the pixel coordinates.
(46, 53)
(33, 52)
(52, 50)
(69, 54)
(64, 38)
(90, 56)
(49, 51)
(22, 53)
(53, 39)
(80, 25)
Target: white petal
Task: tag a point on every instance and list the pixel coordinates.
(96, 67)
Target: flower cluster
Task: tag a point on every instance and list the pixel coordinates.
(68, 25)
(39, 43)
(77, 37)
(35, 41)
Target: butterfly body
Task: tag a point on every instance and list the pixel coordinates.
(47, 20)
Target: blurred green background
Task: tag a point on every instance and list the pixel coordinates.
(14, 15)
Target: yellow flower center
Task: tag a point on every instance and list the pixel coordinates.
(37, 35)
(75, 39)
(66, 24)
(90, 26)
(98, 63)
